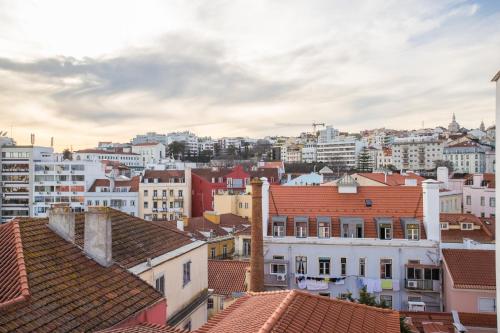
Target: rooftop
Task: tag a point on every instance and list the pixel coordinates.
(297, 311)
(133, 184)
(163, 176)
(394, 179)
(227, 276)
(102, 151)
(68, 292)
(144, 328)
(481, 232)
(471, 269)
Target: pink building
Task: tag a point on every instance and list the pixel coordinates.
(479, 195)
(469, 281)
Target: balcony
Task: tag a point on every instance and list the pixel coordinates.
(275, 280)
(422, 285)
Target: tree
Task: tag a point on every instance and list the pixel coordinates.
(177, 148)
(403, 327)
(364, 163)
(443, 163)
(67, 154)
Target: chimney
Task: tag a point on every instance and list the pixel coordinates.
(180, 225)
(431, 209)
(257, 246)
(442, 176)
(62, 221)
(477, 179)
(97, 237)
(265, 205)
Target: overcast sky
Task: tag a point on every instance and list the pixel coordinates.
(84, 71)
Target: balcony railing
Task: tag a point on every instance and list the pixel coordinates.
(424, 285)
(275, 280)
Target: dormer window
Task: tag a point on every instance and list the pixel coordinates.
(411, 228)
(445, 226)
(351, 227)
(279, 226)
(324, 226)
(466, 226)
(301, 225)
(384, 227)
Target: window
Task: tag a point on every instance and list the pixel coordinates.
(212, 252)
(412, 231)
(468, 200)
(145, 193)
(301, 226)
(186, 273)
(324, 266)
(160, 284)
(278, 269)
(352, 227)
(444, 226)
(387, 299)
(221, 304)
(386, 268)
(385, 230)
(279, 223)
(210, 303)
(171, 193)
(492, 202)
(240, 205)
(180, 193)
(301, 265)
(224, 251)
(155, 193)
(487, 304)
(145, 204)
(482, 201)
(324, 224)
(466, 226)
(246, 248)
(343, 266)
(414, 298)
(431, 274)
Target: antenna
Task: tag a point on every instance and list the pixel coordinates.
(32, 139)
(52, 142)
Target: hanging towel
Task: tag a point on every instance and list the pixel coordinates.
(386, 284)
(316, 285)
(359, 283)
(302, 283)
(395, 285)
(370, 285)
(340, 281)
(377, 285)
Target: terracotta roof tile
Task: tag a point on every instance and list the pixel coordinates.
(297, 311)
(133, 183)
(478, 319)
(482, 235)
(144, 328)
(13, 280)
(445, 319)
(394, 179)
(394, 202)
(227, 276)
(471, 269)
(69, 291)
(135, 240)
(163, 176)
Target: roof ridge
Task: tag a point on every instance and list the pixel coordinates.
(280, 310)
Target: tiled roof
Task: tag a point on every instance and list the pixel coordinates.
(418, 319)
(13, 282)
(482, 235)
(163, 176)
(269, 173)
(133, 183)
(394, 179)
(478, 319)
(146, 144)
(471, 269)
(297, 311)
(69, 291)
(394, 202)
(135, 240)
(144, 328)
(196, 225)
(227, 276)
(244, 231)
(208, 173)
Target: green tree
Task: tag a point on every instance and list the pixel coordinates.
(443, 163)
(177, 148)
(364, 163)
(67, 154)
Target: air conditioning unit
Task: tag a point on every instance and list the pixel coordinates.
(281, 277)
(412, 284)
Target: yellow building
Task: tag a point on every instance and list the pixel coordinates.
(165, 194)
(237, 204)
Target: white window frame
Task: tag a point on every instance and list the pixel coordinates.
(486, 298)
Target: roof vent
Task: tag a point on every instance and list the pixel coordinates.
(368, 202)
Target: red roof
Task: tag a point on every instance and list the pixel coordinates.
(300, 312)
(394, 179)
(196, 225)
(393, 202)
(482, 235)
(13, 277)
(471, 269)
(163, 176)
(144, 328)
(70, 292)
(133, 183)
(227, 276)
(445, 320)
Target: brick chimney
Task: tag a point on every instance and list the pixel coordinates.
(97, 241)
(62, 221)
(257, 244)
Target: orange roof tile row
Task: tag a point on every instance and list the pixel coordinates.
(471, 269)
(297, 311)
(133, 183)
(227, 276)
(144, 328)
(394, 179)
(390, 202)
(482, 235)
(14, 286)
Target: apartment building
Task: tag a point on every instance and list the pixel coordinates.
(479, 195)
(342, 151)
(328, 134)
(18, 178)
(149, 137)
(165, 194)
(235, 203)
(466, 157)
(417, 153)
(383, 158)
(150, 152)
(206, 144)
(189, 139)
(332, 241)
(132, 160)
(309, 152)
(67, 182)
(119, 193)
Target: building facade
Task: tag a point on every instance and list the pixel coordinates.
(342, 151)
(416, 153)
(132, 160)
(466, 158)
(479, 195)
(120, 194)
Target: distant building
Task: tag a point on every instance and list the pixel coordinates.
(310, 179)
(189, 139)
(132, 160)
(416, 153)
(309, 152)
(150, 152)
(453, 127)
(120, 194)
(148, 138)
(479, 195)
(341, 152)
(466, 157)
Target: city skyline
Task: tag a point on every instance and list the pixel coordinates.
(85, 72)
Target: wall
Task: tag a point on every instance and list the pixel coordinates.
(160, 187)
(155, 314)
(461, 300)
(450, 203)
(476, 193)
(230, 203)
(218, 245)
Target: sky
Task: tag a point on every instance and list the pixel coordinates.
(89, 71)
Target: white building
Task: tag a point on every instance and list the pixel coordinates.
(56, 182)
(121, 194)
(466, 158)
(334, 240)
(149, 137)
(383, 158)
(328, 134)
(17, 179)
(189, 139)
(132, 160)
(309, 152)
(341, 150)
(206, 144)
(479, 195)
(490, 162)
(417, 153)
(150, 152)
